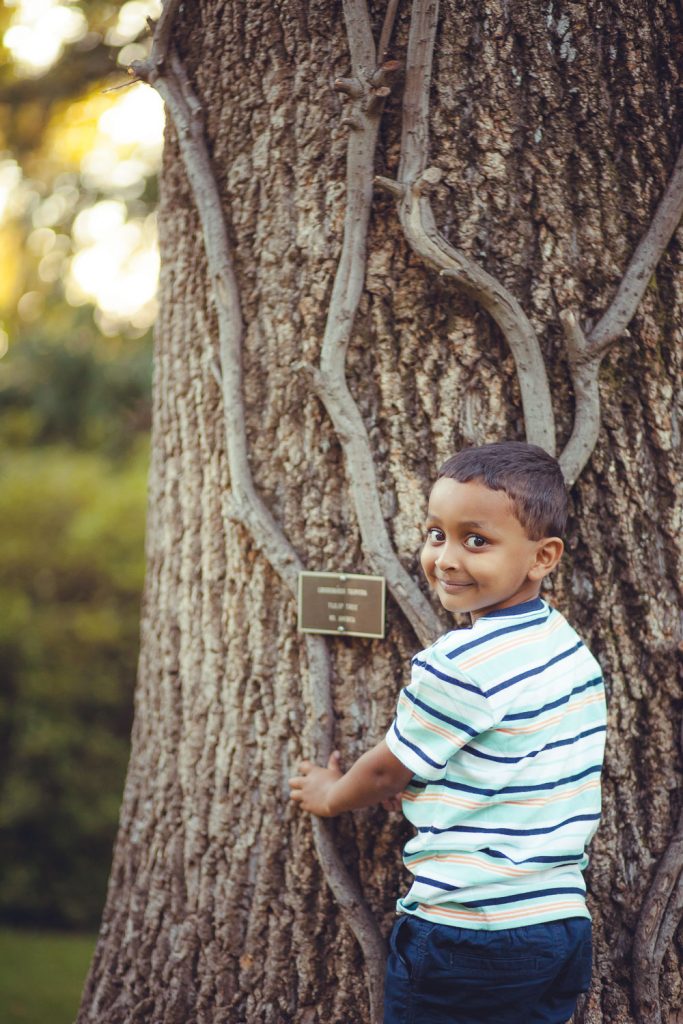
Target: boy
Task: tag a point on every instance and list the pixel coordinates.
(497, 747)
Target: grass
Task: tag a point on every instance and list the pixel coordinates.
(42, 975)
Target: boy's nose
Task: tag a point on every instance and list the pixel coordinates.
(447, 557)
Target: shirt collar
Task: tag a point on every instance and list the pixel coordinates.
(525, 608)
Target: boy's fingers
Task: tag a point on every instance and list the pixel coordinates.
(333, 761)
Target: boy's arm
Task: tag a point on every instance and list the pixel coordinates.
(327, 792)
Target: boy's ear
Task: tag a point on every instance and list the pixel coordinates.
(548, 554)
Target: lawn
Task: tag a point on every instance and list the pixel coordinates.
(42, 975)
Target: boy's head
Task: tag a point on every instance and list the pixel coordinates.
(496, 517)
(530, 477)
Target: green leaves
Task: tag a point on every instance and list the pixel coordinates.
(71, 570)
(75, 381)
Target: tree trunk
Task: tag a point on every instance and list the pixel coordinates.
(553, 127)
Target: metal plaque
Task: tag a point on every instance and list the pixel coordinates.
(344, 603)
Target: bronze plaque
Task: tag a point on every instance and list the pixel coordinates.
(344, 603)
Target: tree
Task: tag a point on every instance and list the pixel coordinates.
(319, 351)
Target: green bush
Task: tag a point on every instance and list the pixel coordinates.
(87, 393)
(71, 572)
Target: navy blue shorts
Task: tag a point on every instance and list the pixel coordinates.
(439, 974)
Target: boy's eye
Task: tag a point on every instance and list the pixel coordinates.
(435, 535)
(475, 541)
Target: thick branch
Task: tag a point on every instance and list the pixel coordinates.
(584, 372)
(643, 263)
(330, 381)
(161, 43)
(387, 29)
(333, 391)
(350, 429)
(659, 918)
(422, 235)
(359, 34)
(250, 508)
(415, 124)
(354, 908)
(368, 96)
(586, 353)
(418, 223)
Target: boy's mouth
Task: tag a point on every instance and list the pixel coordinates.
(453, 586)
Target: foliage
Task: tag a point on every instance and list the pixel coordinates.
(89, 395)
(41, 976)
(74, 415)
(71, 569)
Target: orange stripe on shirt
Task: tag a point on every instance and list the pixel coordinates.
(540, 801)
(532, 801)
(454, 858)
(443, 798)
(508, 644)
(500, 915)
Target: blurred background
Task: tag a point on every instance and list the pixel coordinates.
(79, 151)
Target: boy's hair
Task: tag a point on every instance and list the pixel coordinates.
(530, 477)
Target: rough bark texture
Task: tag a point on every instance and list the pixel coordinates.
(554, 126)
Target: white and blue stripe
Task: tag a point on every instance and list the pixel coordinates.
(503, 726)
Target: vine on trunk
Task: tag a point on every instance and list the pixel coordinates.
(164, 70)
(367, 89)
(585, 352)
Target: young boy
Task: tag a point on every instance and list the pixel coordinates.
(497, 748)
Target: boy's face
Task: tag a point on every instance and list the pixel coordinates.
(477, 556)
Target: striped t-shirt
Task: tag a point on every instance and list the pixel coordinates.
(503, 725)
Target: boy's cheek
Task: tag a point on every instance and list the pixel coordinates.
(427, 563)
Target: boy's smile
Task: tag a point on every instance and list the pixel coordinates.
(477, 555)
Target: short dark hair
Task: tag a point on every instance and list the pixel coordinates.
(530, 477)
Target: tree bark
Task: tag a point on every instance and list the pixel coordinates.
(553, 128)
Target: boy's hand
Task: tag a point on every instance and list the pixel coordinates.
(311, 787)
(377, 775)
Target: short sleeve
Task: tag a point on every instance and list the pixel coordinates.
(438, 713)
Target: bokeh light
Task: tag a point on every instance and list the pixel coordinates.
(116, 265)
(91, 232)
(39, 31)
(116, 262)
